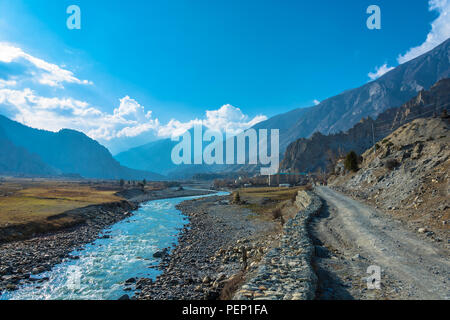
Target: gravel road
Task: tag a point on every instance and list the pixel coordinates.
(351, 236)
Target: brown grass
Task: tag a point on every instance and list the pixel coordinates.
(264, 201)
(231, 286)
(25, 201)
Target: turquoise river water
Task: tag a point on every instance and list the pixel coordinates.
(105, 264)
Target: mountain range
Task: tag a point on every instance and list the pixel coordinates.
(28, 151)
(309, 154)
(338, 113)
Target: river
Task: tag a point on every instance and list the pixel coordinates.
(104, 265)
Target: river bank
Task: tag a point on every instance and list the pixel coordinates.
(209, 251)
(21, 261)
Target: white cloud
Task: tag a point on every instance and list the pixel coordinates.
(440, 31)
(129, 119)
(49, 74)
(55, 114)
(7, 83)
(316, 102)
(379, 71)
(225, 119)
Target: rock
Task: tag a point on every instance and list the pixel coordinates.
(357, 257)
(321, 252)
(422, 230)
(206, 280)
(11, 287)
(160, 254)
(212, 295)
(124, 297)
(198, 288)
(131, 280)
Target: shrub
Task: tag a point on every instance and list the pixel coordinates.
(391, 164)
(278, 214)
(231, 286)
(236, 198)
(351, 161)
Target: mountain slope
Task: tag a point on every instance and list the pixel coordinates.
(335, 114)
(70, 151)
(408, 176)
(18, 161)
(344, 110)
(154, 156)
(306, 155)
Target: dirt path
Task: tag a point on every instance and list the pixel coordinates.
(351, 236)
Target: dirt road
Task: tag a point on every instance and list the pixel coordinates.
(350, 236)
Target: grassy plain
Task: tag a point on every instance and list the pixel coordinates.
(35, 200)
(264, 200)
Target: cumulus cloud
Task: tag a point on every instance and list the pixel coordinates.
(316, 102)
(7, 83)
(379, 71)
(227, 118)
(129, 119)
(440, 31)
(48, 73)
(54, 114)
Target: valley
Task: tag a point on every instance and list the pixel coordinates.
(363, 184)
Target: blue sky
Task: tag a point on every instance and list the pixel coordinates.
(141, 70)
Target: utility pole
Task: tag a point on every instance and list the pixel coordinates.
(373, 138)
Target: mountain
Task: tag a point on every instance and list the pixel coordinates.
(154, 156)
(341, 112)
(335, 114)
(157, 157)
(407, 176)
(307, 155)
(69, 151)
(18, 161)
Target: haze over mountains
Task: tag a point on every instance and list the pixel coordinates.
(309, 154)
(28, 151)
(341, 112)
(335, 114)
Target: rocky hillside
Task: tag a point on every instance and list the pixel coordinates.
(67, 151)
(408, 175)
(333, 115)
(307, 155)
(341, 112)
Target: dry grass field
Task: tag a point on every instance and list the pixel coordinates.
(26, 200)
(264, 201)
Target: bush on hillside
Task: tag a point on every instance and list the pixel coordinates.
(236, 198)
(351, 161)
(391, 164)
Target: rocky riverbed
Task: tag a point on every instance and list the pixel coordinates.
(21, 261)
(209, 251)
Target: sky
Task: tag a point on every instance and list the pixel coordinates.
(138, 70)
